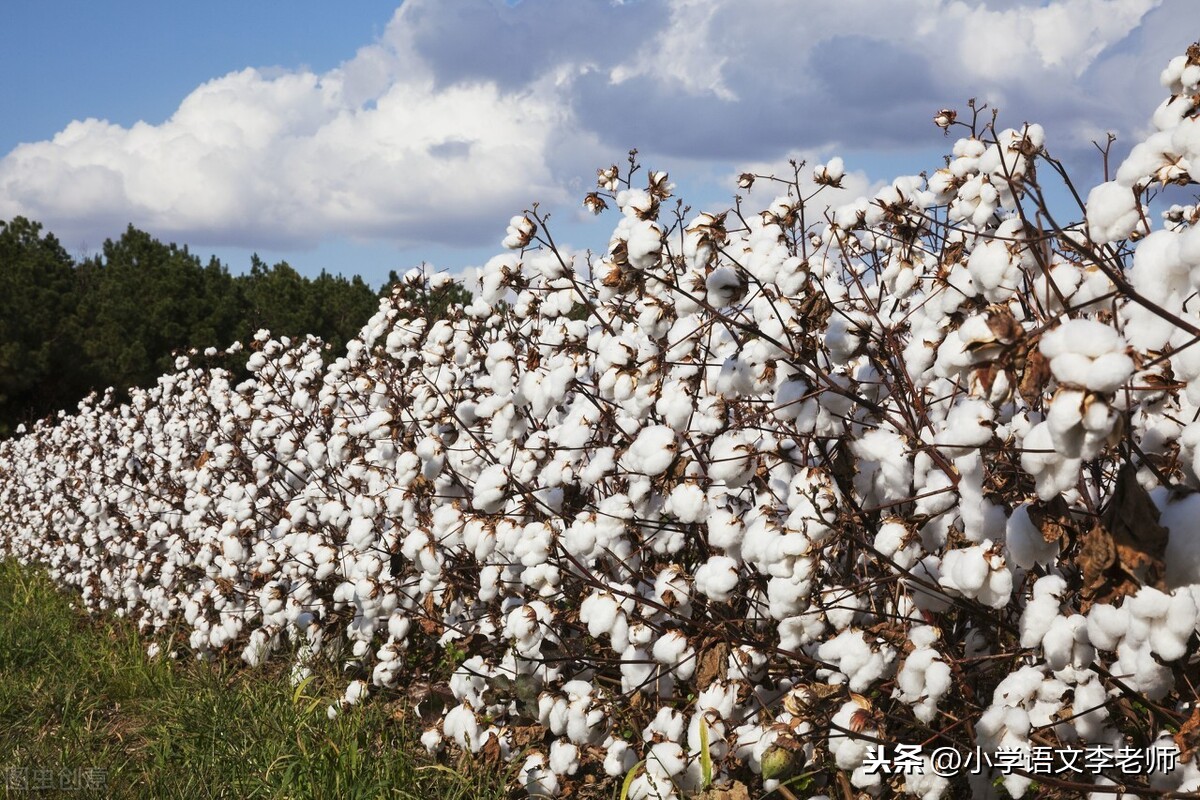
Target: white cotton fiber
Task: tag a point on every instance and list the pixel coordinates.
(651, 452)
(1025, 544)
(1112, 212)
(1181, 518)
(717, 578)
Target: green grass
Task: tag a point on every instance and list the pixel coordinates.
(81, 702)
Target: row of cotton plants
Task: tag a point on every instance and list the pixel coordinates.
(739, 498)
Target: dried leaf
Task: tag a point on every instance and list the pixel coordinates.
(525, 735)
(490, 752)
(1035, 374)
(1052, 518)
(1097, 554)
(1132, 518)
(1185, 739)
(1124, 551)
(735, 791)
(713, 664)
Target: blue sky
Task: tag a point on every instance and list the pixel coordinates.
(364, 136)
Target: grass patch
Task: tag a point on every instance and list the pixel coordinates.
(85, 713)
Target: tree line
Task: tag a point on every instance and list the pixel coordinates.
(72, 326)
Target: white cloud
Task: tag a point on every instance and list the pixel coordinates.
(374, 149)
(464, 113)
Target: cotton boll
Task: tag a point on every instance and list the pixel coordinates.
(859, 661)
(978, 572)
(619, 758)
(731, 458)
(672, 650)
(688, 503)
(1053, 472)
(355, 692)
(967, 426)
(538, 778)
(564, 758)
(993, 271)
(844, 336)
(666, 760)
(1090, 709)
(1181, 518)
(1060, 643)
(924, 678)
(1107, 625)
(850, 751)
(1113, 212)
(717, 578)
(651, 452)
(519, 233)
(490, 489)
(1024, 543)
(895, 541)
(885, 471)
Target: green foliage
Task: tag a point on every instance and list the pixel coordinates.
(80, 697)
(37, 309)
(117, 318)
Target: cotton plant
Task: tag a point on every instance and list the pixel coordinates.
(732, 498)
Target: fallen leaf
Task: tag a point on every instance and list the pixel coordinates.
(735, 791)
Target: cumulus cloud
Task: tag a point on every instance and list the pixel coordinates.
(464, 113)
(291, 157)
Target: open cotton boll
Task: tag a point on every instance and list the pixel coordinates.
(849, 751)
(1113, 212)
(885, 471)
(1053, 472)
(732, 458)
(672, 650)
(978, 572)
(539, 780)
(355, 692)
(619, 758)
(993, 271)
(845, 334)
(1181, 518)
(564, 758)
(519, 233)
(895, 541)
(924, 678)
(1107, 625)
(688, 503)
(666, 759)
(490, 490)
(1024, 544)
(651, 452)
(717, 578)
(860, 662)
(967, 426)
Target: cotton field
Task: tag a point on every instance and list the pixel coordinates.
(738, 499)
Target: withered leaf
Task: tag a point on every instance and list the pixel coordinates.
(735, 791)
(429, 620)
(1096, 555)
(1052, 518)
(713, 663)
(525, 735)
(490, 752)
(1034, 377)
(1132, 518)
(1186, 739)
(1125, 549)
